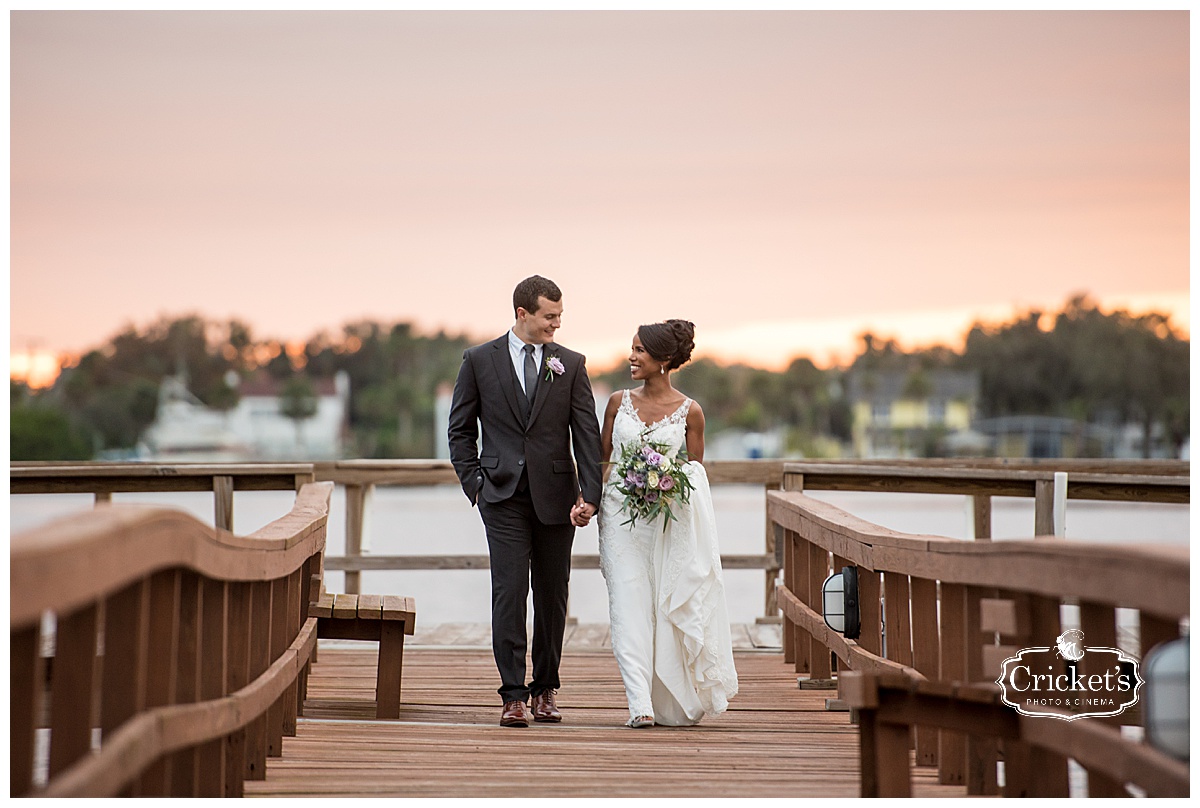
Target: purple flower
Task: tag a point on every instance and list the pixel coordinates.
(635, 480)
(654, 458)
(666, 483)
(554, 367)
(652, 496)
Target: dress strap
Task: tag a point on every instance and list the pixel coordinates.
(681, 413)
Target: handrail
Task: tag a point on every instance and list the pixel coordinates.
(105, 479)
(1011, 482)
(154, 611)
(80, 558)
(944, 611)
(1147, 577)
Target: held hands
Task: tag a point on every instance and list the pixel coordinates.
(582, 512)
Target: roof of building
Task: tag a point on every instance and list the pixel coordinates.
(892, 385)
(263, 384)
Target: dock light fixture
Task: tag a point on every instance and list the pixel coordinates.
(1166, 671)
(839, 602)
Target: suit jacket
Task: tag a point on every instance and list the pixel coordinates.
(487, 393)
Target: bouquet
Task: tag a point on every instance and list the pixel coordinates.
(651, 481)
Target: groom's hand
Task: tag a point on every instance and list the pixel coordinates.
(582, 513)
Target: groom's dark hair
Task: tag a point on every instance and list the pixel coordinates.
(526, 295)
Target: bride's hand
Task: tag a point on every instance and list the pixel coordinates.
(581, 513)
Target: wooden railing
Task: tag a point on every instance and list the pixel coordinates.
(1129, 481)
(359, 477)
(178, 653)
(890, 705)
(979, 479)
(105, 479)
(953, 610)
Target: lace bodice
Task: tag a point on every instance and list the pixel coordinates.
(629, 426)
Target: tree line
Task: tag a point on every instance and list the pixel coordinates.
(1080, 362)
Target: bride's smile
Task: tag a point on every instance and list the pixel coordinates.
(639, 368)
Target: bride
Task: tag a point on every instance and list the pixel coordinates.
(666, 595)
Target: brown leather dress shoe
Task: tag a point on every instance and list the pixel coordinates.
(514, 715)
(544, 708)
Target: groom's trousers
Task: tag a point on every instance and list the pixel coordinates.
(525, 551)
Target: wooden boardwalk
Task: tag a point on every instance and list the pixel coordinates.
(775, 741)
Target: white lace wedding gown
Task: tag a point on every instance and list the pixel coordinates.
(666, 594)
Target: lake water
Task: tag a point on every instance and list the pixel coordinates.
(439, 521)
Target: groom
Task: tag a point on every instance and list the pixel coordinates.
(534, 401)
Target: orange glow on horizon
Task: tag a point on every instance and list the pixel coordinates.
(36, 367)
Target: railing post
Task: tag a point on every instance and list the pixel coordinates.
(356, 494)
(122, 676)
(210, 758)
(27, 675)
(258, 660)
(925, 655)
(187, 682)
(1043, 507)
(237, 676)
(981, 506)
(1099, 624)
(1060, 504)
(787, 628)
(981, 752)
(818, 571)
(280, 640)
(800, 565)
(795, 576)
(71, 689)
(952, 746)
(870, 619)
(223, 502)
(297, 589)
(161, 657)
(1048, 775)
(771, 605)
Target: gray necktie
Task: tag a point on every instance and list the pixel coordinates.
(530, 378)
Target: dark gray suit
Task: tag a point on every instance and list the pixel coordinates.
(525, 481)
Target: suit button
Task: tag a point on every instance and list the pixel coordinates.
(521, 462)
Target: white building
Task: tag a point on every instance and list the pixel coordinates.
(186, 430)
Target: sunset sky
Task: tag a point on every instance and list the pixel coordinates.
(784, 179)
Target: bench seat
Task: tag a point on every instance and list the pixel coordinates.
(379, 618)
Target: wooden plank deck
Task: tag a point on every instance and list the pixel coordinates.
(775, 741)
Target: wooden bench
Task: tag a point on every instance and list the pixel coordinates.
(380, 618)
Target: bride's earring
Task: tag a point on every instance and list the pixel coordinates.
(662, 370)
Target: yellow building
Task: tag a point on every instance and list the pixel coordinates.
(909, 413)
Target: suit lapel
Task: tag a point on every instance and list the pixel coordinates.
(507, 376)
(543, 387)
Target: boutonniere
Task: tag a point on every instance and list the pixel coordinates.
(554, 367)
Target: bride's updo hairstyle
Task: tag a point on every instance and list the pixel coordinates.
(669, 342)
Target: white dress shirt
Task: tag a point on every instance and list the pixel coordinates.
(516, 350)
